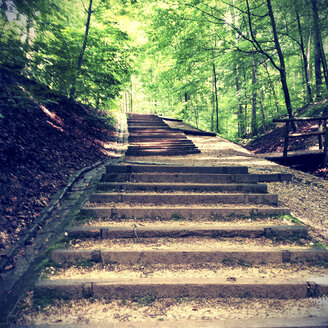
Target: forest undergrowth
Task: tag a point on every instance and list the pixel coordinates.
(44, 138)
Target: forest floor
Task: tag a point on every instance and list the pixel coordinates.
(44, 138)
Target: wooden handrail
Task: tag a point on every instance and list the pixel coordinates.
(322, 131)
(295, 119)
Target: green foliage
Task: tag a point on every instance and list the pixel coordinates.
(44, 39)
(174, 68)
(171, 57)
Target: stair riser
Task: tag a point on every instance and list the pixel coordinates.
(177, 147)
(163, 142)
(176, 169)
(159, 136)
(172, 213)
(180, 178)
(242, 258)
(173, 199)
(247, 188)
(162, 153)
(150, 128)
(282, 233)
(225, 290)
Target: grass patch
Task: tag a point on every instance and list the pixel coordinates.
(320, 245)
(288, 217)
(143, 300)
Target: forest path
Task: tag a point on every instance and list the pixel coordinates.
(195, 237)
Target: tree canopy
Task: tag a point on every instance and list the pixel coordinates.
(228, 66)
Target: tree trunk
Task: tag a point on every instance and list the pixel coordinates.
(308, 56)
(216, 99)
(246, 102)
(305, 60)
(254, 129)
(318, 48)
(213, 108)
(282, 69)
(80, 61)
(260, 95)
(241, 121)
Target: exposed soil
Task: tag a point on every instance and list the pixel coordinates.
(41, 144)
(140, 309)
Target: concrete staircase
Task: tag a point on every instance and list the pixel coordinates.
(175, 231)
(150, 136)
(210, 203)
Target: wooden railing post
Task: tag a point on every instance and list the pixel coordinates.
(320, 129)
(325, 148)
(286, 141)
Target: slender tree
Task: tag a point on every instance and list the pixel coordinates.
(80, 60)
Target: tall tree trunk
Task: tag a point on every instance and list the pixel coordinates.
(246, 102)
(260, 95)
(213, 108)
(318, 45)
(241, 121)
(216, 99)
(254, 129)
(282, 69)
(80, 61)
(305, 59)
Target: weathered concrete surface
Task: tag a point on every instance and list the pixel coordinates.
(247, 231)
(181, 178)
(205, 212)
(181, 198)
(173, 187)
(261, 288)
(246, 256)
(176, 169)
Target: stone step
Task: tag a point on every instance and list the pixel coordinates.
(246, 231)
(162, 152)
(184, 198)
(150, 129)
(272, 177)
(282, 288)
(277, 322)
(159, 136)
(150, 257)
(176, 169)
(171, 187)
(161, 145)
(155, 121)
(222, 213)
(138, 147)
(180, 178)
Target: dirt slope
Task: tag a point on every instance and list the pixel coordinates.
(40, 146)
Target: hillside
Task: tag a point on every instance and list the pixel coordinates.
(43, 139)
